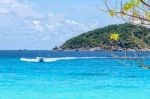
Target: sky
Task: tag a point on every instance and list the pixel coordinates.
(44, 24)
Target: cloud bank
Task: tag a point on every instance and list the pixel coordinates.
(25, 28)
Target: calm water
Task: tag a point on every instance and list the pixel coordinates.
(92, 78)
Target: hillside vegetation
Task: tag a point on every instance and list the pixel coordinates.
(131, 36)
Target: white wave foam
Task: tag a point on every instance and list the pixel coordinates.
(56, 59)
(68, 58)
(28, 60)
(53, 59)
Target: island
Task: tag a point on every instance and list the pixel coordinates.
(132, 37)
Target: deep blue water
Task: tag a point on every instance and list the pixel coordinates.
(91, 78)
(33, 53)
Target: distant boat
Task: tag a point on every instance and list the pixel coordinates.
(22, 50)
(40, 59)
(37, 59)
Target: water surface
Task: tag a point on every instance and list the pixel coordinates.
(91, 78)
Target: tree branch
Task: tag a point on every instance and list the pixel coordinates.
(146, 4)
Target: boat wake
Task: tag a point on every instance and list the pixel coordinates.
(44, 59)
(29, 60)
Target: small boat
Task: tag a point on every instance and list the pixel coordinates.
(37, 59)
(40, 59)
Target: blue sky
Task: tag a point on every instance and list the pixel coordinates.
(43, 24)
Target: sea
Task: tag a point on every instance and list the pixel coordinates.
(74, 75)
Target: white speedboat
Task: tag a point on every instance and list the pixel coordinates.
(40, 59)
(37, 59)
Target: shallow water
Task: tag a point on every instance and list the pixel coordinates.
(89, 78)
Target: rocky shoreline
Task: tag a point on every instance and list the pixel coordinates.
(100, 49)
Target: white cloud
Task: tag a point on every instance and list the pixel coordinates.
(7, 1)
(4, 11)
(29, 29)
(79, 7)
(38, 26)
(36, 22)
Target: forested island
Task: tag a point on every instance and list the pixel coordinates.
(131, 37)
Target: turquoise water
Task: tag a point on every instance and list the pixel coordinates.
(92, 78)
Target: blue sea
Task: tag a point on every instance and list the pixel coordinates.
(93, 77)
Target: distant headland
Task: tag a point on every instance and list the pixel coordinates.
(132, 37)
